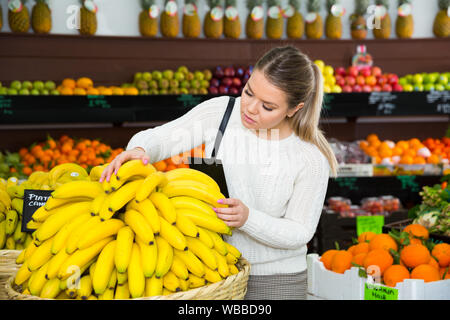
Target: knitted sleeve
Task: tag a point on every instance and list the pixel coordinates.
(183, 134)
(299, 222)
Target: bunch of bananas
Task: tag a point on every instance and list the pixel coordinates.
(144, 233)
(11, 201)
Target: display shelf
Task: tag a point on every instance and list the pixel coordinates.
(119, 109)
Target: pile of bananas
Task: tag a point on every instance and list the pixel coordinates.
(144, 233)
(11, 201)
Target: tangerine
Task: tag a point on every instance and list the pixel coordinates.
(326, 258)
(379, 258)
(395, 274)
(362, 247)
(414, 255)
(359, 258)
(366, 236)
(383, 241)
(417, 231)
(342, 261)
(425, 272)
(441, 252)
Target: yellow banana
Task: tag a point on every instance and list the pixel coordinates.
(165, 207)
(205, 237)
(56, 221)
(212, 276)
(97, 204)
(53, 203)
(154, 180)
(20, 190)
(113, 279)
(21, 257)
(121, 277)
(149, 256)
(219, 244)
(222, 265)
(204, 253)
(164, 257)
(104, 268)
(125, 239)
(79, 232)
(72, 168)
(2, 234)
(148, 210)
(10, 243)
(122, 292)
(12, 218)
(194, 265)
(85, 287)
(153, 286)
(19, 236)
(196, 282)
(231, 259)
(41, 214)
(136, 278)
(179, 268)
(81, 258)
(33, 225)
(233, 250)
(233, 269)
(19, 246)
(30, 249)
(104, 212)
(5, 199)
(71, 292)
(192, 174)
(38, 281)
(100, 231)
(96, 172)
(184, 284)
(28, 240)
(206, 221)
(92, 269)
(41, 255)
(140, 226)
(62, 295)
(107, 295)
(17, 204)
(171, 282)
(78, 189)
(132, 168)
(194, 189)
(63, 234)
(23, 274)
(173, 235)
(55, 264)
(51, 289)
(186, 226)
(124, 194)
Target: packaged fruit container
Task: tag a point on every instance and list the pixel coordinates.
(390, 203)
(324, 284)
(339, 204)
(373, 205)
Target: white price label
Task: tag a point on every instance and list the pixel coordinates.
(171, 8)
(154, 11)
(257, 13)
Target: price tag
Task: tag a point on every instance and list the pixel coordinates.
(369, 223)
(231, 13)
(171, 8)
(5, 106)
(288, 11)
(257, 13)
(217, 13)
(98, 102)
(379, 292)
(190, 9)
(154, 11)
(33, 200)
(274, 12)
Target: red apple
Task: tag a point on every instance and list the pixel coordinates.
(367, 88)
(376, 71)
(213, 90)
(376, 88)
(352, 71)
(237, 82)
(371, 80)
(350, 80)
(215, 82)
(357, 88)
(229, 72)
(340, 81)
(386, 87)
(392, 79)
(340, 71)
(223, 89)
(219, 73)
(361, 80)
(365, 72)
(397, 87)
(227, 82)
(382, 80)
(234, 91)
(347, 89)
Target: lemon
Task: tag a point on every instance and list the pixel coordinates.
(330, 80)
(336, 89)
(326, 89)
(328, 71)
(320, 64)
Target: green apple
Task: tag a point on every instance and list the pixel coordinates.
(168, 74)
(35, 92)
(45, 92)
(428, 87)
(409, 78)
(184, 91)
(12, 92)
(154, 92)
(447, 87)
(0, 84)
(203, 91)
(174, 91)
(50, 85)
(185, 84)
(403, 81)
(190, 76)
(199, 75)
(174, 83)
(153, 85)
(147, 76)
(418, 87)
(142, 85)
(16, 84)
(27, 85)
(157, 75)
(195, 84)
(408, 87)
(3, 91)
(144, 92)
(433, 77)
(137, 76)
(208, 74)
(24, 92)
(417, 79)
(205, 84)
(439, 87)
(179, 76)
(443, 79)
(164, 84)
(193, 91)
(55, 93)
(163, 91)
(183, 69)
(38, 85)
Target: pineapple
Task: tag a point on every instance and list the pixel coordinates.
(314, 29)
(88, 21)
(404, 26)
(384, 32)
(274, 26)
(254, 29)
(148, 26)
(441, 27)
(213, 29)
(41, 17)
(19, 21)
(192, 26)
(357, 20)
(169, 24)
(295, 27)
(232, 27)
(333, 24)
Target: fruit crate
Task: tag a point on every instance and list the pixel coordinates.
(8, 267)
(399, 225)
(324, 284)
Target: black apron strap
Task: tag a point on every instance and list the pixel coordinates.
(223, 126)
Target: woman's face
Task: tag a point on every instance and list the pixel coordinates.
(263, 105)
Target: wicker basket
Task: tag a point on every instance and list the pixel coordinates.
(232, 288)
(8, 267)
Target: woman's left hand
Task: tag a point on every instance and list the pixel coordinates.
(235, 215)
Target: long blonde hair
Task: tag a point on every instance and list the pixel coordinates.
(293, 72)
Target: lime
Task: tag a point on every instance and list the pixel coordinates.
(443, 79)
(408, 88)
(418, 87)
(24, 92)
(418, 79)
(428, 87)
(16, 84)
(439, 87)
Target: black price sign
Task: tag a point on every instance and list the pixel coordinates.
(5, 106)
(189, 100)
(385, 102)
(98, 102)
(33, 200)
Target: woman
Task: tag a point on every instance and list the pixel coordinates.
(276, 163)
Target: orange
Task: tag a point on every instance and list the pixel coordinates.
(105, 91)
(397, 151)
(363, 145)
(69, 83)
(85, 83)
(444, 271)
(79, 92)
(416, 230)
(66, 91)
(372, 137)
(362, 247)
(27, 171)
(376, 144)
(395, 274)
(434, 263)
(93, 92)
(342, 261)
(414, 142)
(160, 165)
(414, 255)
(425, 272)
(366, 236)
(117, 91)
(372, 151)
(383, 241)
(378, 258)
(359, 258)
(327, 257)
(433, 159)
(441, 252)
(131, 91)
(419, 160)
(403, 144)
(406, 159)
(385, 153)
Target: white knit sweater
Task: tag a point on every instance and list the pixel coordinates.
(282, 182)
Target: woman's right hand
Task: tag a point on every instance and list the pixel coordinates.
(113, 167)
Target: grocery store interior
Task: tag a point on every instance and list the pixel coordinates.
(79, 78)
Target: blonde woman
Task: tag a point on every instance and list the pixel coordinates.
(276, 160)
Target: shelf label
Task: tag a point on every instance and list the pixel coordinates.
(189, 100)
(383, 100)
(5, 106)
(98, 102)
(33, 200)
(409, 183)
(346, 182)
(379, 292)
(369, 223)
(443, 108)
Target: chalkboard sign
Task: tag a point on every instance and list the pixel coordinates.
(6, 105)
(189, 100)
(385, 102)
(441, 99)
(98, 102)
(33, 200)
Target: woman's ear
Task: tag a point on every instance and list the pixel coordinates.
(292, 112)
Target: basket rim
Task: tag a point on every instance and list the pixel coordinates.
(244, 273)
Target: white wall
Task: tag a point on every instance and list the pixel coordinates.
(120, 17)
